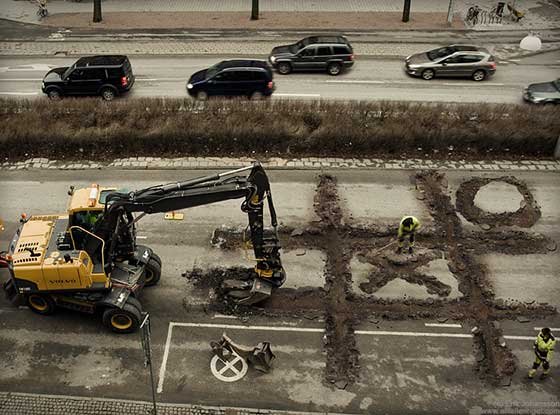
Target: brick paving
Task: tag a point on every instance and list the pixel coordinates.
(313, 163)
(35, 404)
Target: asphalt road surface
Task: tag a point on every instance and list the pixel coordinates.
(370, 79)
(405, 366)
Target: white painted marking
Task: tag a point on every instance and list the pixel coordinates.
(141, 237)
(165, 356)
(412, 334)
(19, 93)
(22, 80)
(162, 79)
(236, 374)
(31, 67)
(515, 60)
(297, 95)
(348, 81)
(551, 328)
(239, 327)
(224, 316)
(442, 325)
(519, 338)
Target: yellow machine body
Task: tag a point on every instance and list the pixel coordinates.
(38, 261)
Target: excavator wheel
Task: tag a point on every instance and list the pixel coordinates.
(152, 273)
(125, 320)
(41, 304)
(157, 258)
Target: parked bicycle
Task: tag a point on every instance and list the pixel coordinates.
(42, 10)
(472, 14)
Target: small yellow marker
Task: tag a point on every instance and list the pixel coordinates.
(173, 216)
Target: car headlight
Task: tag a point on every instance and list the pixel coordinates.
(272, 59)
(189, 86)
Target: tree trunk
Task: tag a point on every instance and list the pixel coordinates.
(255, 10)
(97, 11)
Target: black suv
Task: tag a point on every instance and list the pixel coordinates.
(314, 53)
(249, 78)
(107, 76)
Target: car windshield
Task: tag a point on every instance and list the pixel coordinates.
(213, 70)
(68, 71)
(302, 43)
(440, 53)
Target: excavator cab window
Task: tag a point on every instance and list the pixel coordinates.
(84, 240)
(86, 219)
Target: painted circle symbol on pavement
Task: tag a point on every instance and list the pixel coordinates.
(231, 370)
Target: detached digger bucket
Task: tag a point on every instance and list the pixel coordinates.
(260, 356)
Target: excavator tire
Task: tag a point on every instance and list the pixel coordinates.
(134, 302)
(157, 258)
(41, 304)
(125, 320)
(152, 273)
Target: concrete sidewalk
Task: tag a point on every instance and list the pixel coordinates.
(539, 14)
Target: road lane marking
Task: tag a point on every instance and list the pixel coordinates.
(18, 93)
(443, 325)
(141, 237)
(21, 80)
(224, 316)
(302, 330)
(349, 81)
(551, 328)
(297, 95)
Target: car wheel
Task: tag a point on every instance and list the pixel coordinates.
(108, 94)
(428, 74)
(334, 69)
(41, 304)
(54, 94)
(284, 68)
(479, 75)
(256, 96)
(202, 96)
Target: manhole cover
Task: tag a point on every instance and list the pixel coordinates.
(230, 370)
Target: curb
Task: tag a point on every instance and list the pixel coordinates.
(306, 163)
(16, 403)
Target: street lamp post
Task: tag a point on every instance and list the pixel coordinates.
(146, 336)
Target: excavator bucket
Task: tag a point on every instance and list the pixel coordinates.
(260, 356)
(243, 292)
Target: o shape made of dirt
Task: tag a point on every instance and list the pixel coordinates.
(526, 216)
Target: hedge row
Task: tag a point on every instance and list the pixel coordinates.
(90, 128)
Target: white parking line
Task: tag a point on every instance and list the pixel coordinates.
(296, 95)
(551, 328)
(19, 93)
(302, 330)
(443, 325)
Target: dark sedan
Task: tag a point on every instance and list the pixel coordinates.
(452, 61)
(543, 93)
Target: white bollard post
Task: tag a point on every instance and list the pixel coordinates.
(450, 13)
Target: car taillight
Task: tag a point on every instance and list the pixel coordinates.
(124, 81)
(352, 57)
(270, 85)
(493, 65)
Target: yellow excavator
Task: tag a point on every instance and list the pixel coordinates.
(88, 260)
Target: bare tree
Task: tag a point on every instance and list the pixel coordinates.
(97, 11)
